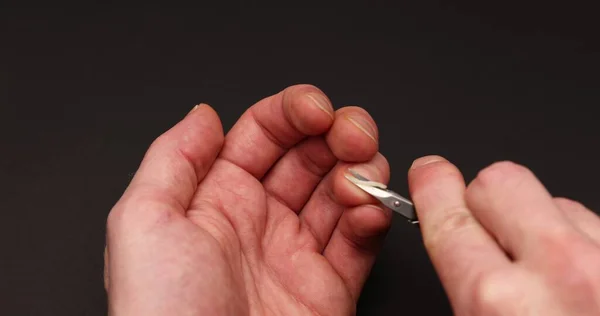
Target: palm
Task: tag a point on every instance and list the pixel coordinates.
(275, 230)
(286, 267)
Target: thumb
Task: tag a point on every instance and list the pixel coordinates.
(178, 160)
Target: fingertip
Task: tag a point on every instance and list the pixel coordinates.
(435, 183)
(432, 169)
(202, 131)
(347, 193)
(174, 164)
(202, 108)
(354, 135)
(425, 160)
(321, 101)
(308, 109)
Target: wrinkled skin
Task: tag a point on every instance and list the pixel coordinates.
(263, 222)
(503, 245)
(260, 222)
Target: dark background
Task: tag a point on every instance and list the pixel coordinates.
(84, 90)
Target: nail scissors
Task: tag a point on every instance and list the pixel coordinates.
(387, 197)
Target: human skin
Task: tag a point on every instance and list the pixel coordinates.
(263, 222)
(259, 222)
(505, 246)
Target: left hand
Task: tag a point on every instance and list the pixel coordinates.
(259, 222)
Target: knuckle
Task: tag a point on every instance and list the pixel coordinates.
(317, 158)
(559, 243)
(457, 220)
(568, 204)
(140, 213)
(159, 141)
(574, 275)
(500, 172)
(567, 265)
(491, 291)
(113, 218)
(156, 146)
(117, 215)
(578, 282)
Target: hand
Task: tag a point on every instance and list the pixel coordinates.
(259, 222)
(504, 246)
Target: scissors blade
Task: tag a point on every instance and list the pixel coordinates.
(389, 198)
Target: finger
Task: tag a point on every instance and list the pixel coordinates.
(335, 194)
(460, 249)
(355, 243)
(354, 135)
(514, 206)
(294, 177)
(275, 124)
(584, 219)
(178, 159)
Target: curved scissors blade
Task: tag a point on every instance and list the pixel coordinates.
(389, 198)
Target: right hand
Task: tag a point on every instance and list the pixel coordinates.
(504, 245)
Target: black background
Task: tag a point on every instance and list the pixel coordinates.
(84, 90)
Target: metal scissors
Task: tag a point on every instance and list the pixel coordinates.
(387, 197)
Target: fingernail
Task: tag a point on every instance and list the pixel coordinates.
(321, 102)
(364, 125)
(195, 108)
(426, 160)
(352, 175)
(366, 171)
